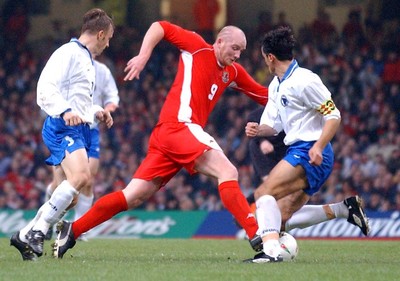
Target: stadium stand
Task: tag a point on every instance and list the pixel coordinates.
(364, 81)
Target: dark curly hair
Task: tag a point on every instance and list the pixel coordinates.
(280, 42)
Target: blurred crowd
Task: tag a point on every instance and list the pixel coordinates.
(359, 64)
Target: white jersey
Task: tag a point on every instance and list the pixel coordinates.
(299, 105)
(67, 82)
(105, 89)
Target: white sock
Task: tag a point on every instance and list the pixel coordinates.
(269, 220)
(24, 231)
(307, 215)
(340, 210)
(83, 205)
(53, 209)
(268, 215)
(48, 193)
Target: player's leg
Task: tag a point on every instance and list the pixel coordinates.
(201, 153)
(291, 204)
(155, 170)
(215, 164)
(20, 239)
(76, 168)
(283, 181)
(85, 198)
(351, 209)
(132, 196)
(105, 208)
(58, 177)
(291, 175)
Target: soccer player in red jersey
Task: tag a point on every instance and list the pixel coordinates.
(178, 140)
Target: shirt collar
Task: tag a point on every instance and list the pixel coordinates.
(293, 65)
(83, 46)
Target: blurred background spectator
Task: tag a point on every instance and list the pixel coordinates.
(205, 12)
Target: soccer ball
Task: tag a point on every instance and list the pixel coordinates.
(289, 248)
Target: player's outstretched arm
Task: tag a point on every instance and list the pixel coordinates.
(153, 36)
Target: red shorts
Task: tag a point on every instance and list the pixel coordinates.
(171, 147)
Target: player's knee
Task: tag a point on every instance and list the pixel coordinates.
(259, 192)
(229, 173)
(138, 192)
(80, 180)
(87, 190)
(264, 189)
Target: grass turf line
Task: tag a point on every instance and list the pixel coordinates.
(201, 259)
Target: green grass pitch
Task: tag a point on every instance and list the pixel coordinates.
(202, 259)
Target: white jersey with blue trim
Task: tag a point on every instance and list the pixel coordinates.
(299, 105)
(67, 82)
(105, 89)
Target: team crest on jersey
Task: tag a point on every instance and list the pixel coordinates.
(225, 76)
(327, 107)
(284, 101)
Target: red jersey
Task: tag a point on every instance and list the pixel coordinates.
(200, 80)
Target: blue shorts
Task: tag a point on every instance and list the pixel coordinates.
(59, 138)
(94, 148)
(297, 154)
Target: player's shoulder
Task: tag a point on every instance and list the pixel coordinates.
(184, 39)
(302, 71)
(62, 53)
(69, 46)
(305, 76)
(66, 50)
(66, 47)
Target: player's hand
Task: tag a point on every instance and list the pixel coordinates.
(105, 116)
(72, 119)
(266, 147)
(111, 107)
(134, 67)
(315, 154)
(251, 129)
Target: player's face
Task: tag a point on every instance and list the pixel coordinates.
(268, 59)
(103, 40)
(231, 47)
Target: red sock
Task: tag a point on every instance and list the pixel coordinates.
(104, 209)
(235, 202)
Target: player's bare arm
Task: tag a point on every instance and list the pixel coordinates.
(135, 65)
(253, 129)
(328, 133)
